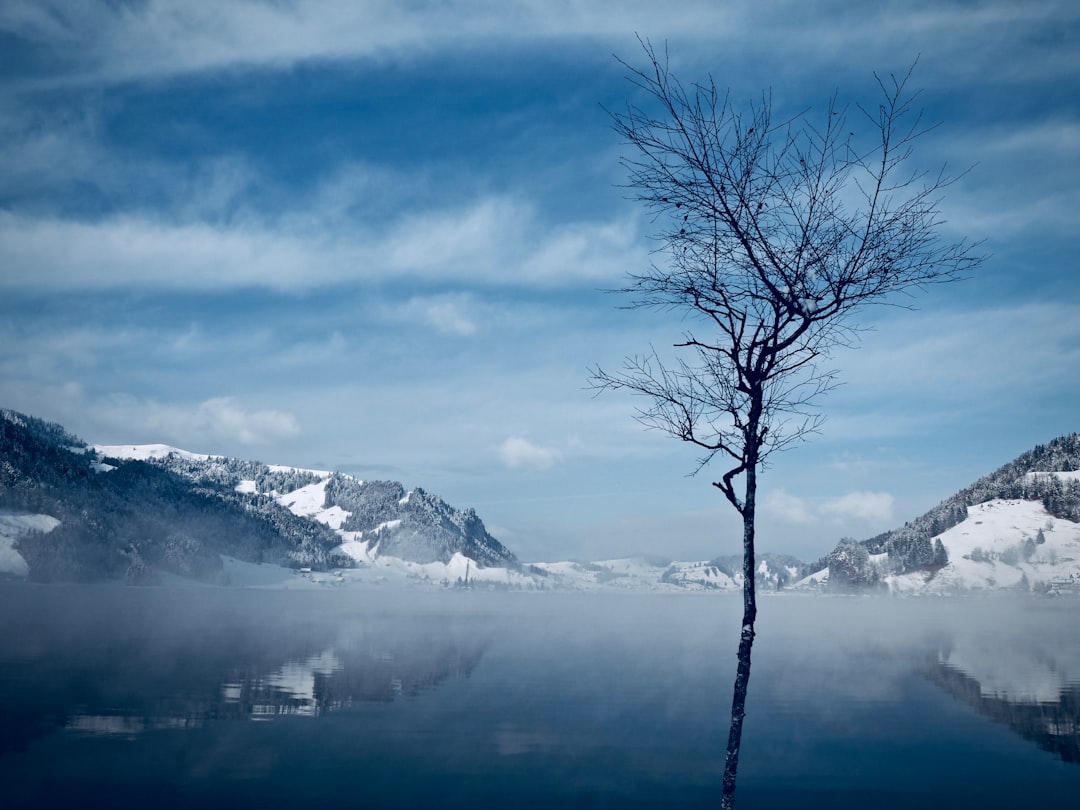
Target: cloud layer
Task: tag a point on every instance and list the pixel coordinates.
(375, 236)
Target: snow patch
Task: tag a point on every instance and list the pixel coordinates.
(997, 547)
(146, 452)
(14, 525)
(282, 468)
(359, 550)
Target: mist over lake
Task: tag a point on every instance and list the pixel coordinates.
(216, 697)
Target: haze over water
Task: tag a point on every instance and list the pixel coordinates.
(217, 697)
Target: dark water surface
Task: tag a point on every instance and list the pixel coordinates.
(200, 697)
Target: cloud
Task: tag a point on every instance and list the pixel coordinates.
(518, 453)
(447, 317)
(787, 507)
(113, 41)
(495, 240)
(166, 37)
(871, 507)
(225, 417)
(449, 314)
(214, 423)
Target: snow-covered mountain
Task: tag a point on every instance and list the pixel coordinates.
(722, 574)
(1017, 529)
(71, 511)
(371, 518)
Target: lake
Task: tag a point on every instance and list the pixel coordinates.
(205, 697)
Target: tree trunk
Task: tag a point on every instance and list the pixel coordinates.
(746, 641)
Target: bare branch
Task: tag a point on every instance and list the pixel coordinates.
(774, 235)
(763, 247)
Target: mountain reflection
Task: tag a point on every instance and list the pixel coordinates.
(109, 672)
(233, 698)
(1053, 724)
(331, 680)
(319, 684)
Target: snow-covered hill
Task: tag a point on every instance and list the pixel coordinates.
(1002, 543)
(74, 512)
(1013, 544)
(139, 512)
(1015, 528)
(371, 518)
(14, 525)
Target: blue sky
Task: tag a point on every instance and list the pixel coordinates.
(373, 236)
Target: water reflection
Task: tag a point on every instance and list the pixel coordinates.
(327, 681)
(465, 699)
(1053, 725)
(1022, 677)
(104, 664)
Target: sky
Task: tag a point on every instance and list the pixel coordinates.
(378, 237)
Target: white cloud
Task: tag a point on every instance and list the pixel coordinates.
(225, 417)
(176, 36)
(163, 37)
(872, 507)
(450, 314)
(787, 507)
(215, 423)
(518, 453)
(495, 240)
(447, 317)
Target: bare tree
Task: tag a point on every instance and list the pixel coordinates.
(772, 234)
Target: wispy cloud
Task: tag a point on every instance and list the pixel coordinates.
(966, 361)
(211, 423)
(216, 425)
(372, 234)
(518, 453)
(121, 41)
(789, 508)
(448, 314)
(873, 508)
(497, 241)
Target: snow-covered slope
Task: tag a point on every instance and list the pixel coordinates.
(372, 519)
(14, 525)
(146, 452)
(636, 573)
(633, 573)
(1016, 528)
(1003, 544)
(139, 513)
(1013, 544)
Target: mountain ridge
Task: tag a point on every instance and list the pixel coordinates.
(73, 511)
(130, 512)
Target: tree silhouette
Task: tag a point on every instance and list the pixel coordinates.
(772, 234)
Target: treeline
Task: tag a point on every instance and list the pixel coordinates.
(224, 472)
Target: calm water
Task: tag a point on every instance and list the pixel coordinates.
(159, 698)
